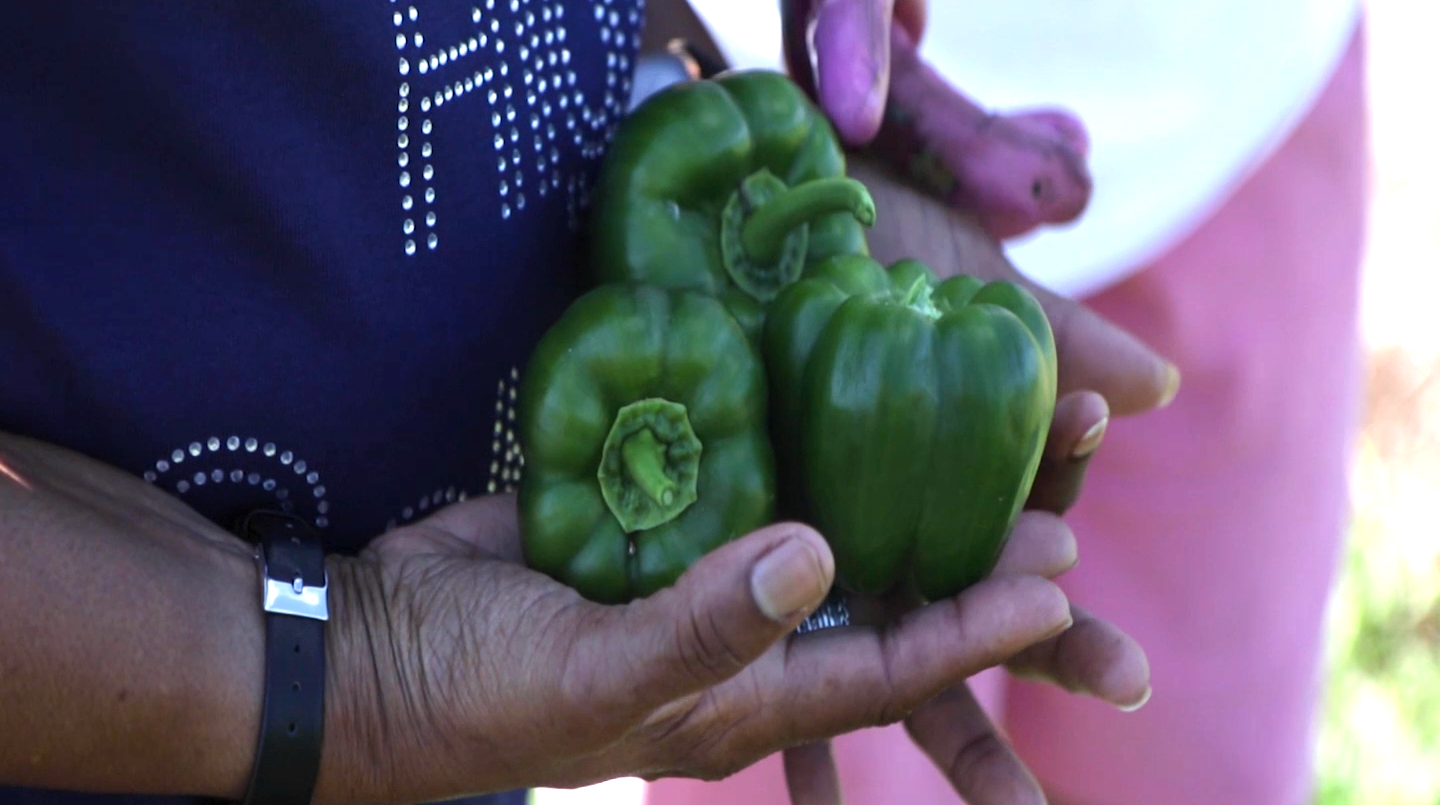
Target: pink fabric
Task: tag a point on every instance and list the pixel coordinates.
(1210, 530)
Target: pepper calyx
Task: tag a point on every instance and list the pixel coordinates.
(649, 464)
(765, 227)
(919, 297)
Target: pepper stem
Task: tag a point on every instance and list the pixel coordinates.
(649, 464)
(644, 459)
(919, 297)
(764, 232)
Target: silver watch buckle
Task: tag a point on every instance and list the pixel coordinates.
(294, 598)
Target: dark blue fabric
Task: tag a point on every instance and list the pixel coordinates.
(298, 252)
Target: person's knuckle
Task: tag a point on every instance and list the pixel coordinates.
(962, 613)
(889, 705)
(891, 709)
(673, 725)
(976, 753)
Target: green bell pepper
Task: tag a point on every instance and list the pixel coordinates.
(731, 186)
(909, 416)
(643, 422)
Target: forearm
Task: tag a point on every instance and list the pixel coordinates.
(131, 642)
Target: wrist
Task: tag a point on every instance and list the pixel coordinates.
(387, 737)
(295, 599)
(361, 750)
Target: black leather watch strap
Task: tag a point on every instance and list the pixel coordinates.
(294, 590)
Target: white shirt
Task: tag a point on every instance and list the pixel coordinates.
(1181, 101)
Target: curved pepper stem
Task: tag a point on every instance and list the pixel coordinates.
(765, 230)
(643, 457)
(764, 227)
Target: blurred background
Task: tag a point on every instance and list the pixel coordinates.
(1380, 736)
(1379, 740)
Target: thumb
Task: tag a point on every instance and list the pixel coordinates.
(839, 51)
(722, 614)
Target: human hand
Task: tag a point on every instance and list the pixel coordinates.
(1091, 657)
(860, 61)
(466, 672)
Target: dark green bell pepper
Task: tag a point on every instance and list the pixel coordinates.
(731, 186)
(643, 422)
(909, 416)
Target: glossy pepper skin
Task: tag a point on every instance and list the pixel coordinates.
(731, 186)
(644, 424)
(909, 416)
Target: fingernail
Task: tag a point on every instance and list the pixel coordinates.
(788, 580)
(1065, 627)
(1090, 442)
(1172, 385)
(1130, 708)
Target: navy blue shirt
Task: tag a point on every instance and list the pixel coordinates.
(295, 253)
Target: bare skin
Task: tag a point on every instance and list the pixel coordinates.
(1012, 172)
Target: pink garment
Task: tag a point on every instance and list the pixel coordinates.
(1209, 530)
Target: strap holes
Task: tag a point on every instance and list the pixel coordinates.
(295, 686)
(293, 729)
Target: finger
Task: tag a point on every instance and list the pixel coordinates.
(1013, 172)
(1092, 657)
(847, 44)
(847, 678)
(811, 776)
(959, 739)
(838, 51)
(1078, 427)
(1057, 124)
(1040, 544)
(1048, 130)
(725, 611)
(1095, 354)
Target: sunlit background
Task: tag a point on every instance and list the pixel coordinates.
(1379, 741)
